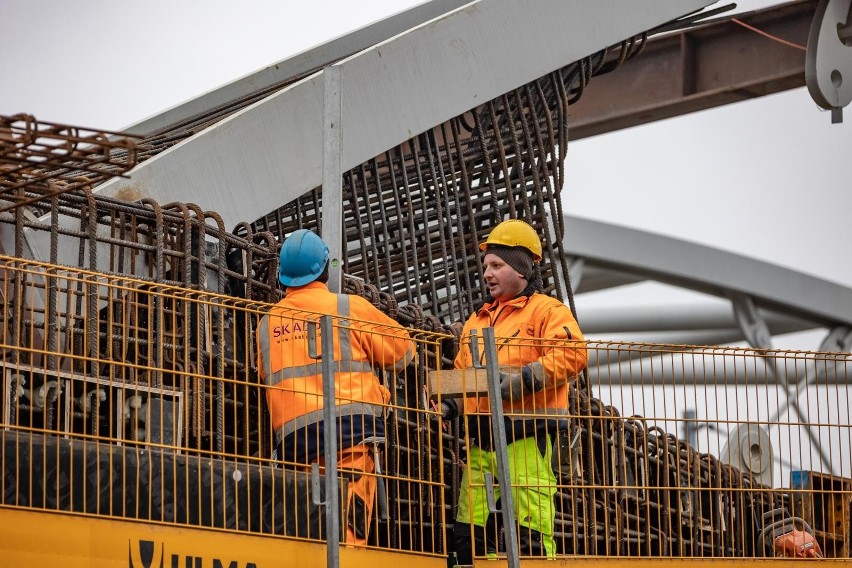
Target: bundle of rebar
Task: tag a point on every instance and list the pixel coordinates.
(39, 160)
(630, 489)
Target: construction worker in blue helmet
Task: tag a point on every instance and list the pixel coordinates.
(368, 338)
(541, 350)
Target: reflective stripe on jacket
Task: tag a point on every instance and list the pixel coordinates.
(528, 329)
(364, 338)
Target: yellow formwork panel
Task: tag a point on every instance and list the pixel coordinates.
(48, 539)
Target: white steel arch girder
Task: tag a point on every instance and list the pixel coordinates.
(270, 153)
(689, 324)
(667, 366)
(709, 270)
(789, 301)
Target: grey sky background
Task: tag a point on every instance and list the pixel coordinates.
(767, 178)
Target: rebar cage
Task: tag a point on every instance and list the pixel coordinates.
(123, 398)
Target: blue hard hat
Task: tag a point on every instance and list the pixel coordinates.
(303, 258)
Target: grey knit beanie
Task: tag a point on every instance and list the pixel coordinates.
(518, 258)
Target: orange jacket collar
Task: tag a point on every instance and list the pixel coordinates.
(517, 302)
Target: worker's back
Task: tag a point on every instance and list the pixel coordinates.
(294, 375)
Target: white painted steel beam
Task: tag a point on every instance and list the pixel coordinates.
(301, 64)
(270, 153)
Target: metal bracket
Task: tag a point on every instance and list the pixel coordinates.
(489, 493)
(476, 362)
(838, 340)
(315, 485)
(313, 352)
(751, 322)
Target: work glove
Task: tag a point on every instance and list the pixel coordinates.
(511, 386)
(514, 385)
(449, 409)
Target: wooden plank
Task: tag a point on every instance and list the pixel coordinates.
(457, 383)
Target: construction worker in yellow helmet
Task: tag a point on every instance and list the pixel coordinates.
(540, 351)
(365, 338)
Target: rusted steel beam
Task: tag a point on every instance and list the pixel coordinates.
(703, 67)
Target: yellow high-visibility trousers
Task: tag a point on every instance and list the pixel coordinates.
(533, 487)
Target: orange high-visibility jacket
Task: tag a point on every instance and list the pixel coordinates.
(529, 329)
(364, 338)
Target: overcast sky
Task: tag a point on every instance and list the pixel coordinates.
(768, 178)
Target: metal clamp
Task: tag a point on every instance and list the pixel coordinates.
(489, 493)
(316, 497)
(474, 351)
(313, 353)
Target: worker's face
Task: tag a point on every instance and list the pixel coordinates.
(503, 281)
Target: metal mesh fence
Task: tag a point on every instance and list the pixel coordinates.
(675, 451)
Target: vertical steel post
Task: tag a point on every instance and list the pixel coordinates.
(329, 415)
(332, 177)
(492, 369)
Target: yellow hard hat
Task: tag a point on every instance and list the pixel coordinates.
(514, 233)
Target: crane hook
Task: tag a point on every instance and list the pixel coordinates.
(828, 67)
